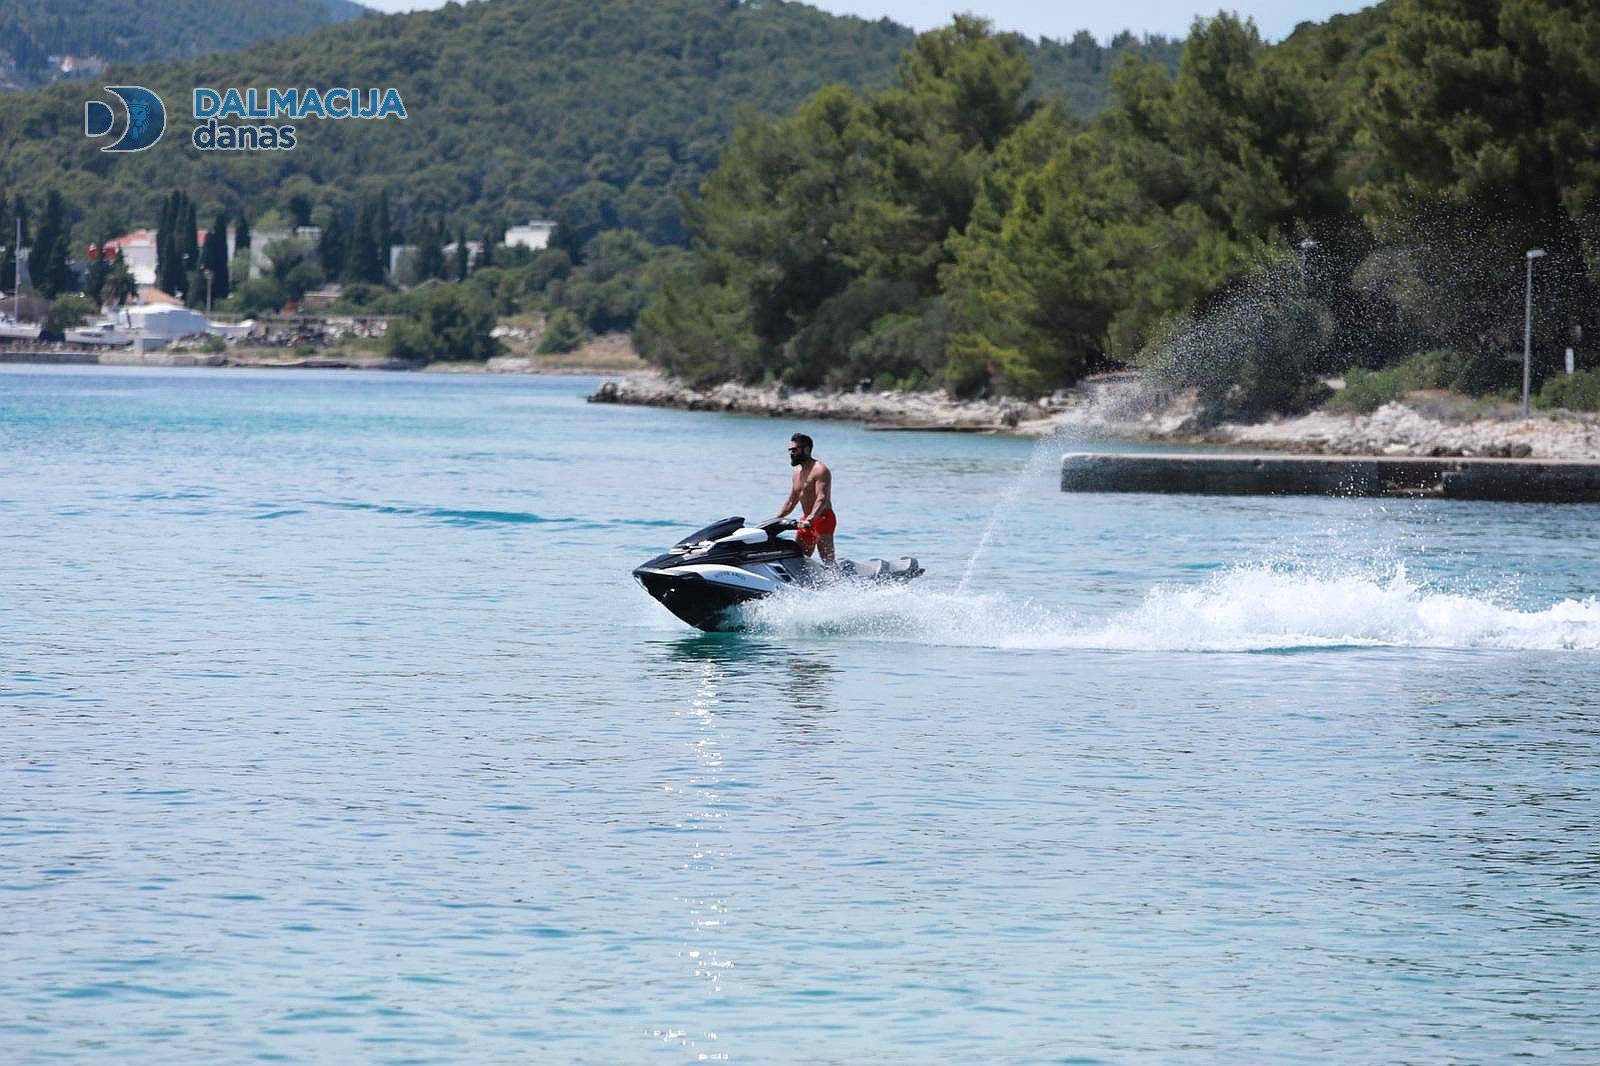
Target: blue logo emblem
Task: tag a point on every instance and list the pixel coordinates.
(147, 118)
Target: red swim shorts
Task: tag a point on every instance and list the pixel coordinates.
(821, 526)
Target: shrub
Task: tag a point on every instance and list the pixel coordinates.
(1573, 392)
(453, 322)
(68, 312)
(260, 296)
(1367, 390)
(562, 333)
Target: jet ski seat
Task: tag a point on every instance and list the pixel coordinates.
(873, 569)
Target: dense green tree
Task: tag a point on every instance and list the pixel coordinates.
(364, 260)
(9, 218)
(333, 244)
(452, 322)
(49, 266)
(1482, 118)
(214, 257)
(430, 250)
(241, 234)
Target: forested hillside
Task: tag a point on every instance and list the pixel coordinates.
(594, 112)
(128, 31)
(1355, 200)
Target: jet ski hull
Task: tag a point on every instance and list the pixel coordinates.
(703, 603)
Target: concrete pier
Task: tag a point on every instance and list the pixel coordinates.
(1520, 480)
(48, 357)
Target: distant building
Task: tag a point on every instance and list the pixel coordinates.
(395, 252)
(78, 64)
(474, 253)
(138, 251)
(534, 234)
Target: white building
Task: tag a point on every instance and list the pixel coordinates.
(138, 251)
(159, 323)
(259, 263)
(534, 234)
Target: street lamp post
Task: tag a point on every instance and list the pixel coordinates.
(1305, 251)
(1527, 331)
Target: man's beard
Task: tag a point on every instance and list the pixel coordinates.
(796, 460)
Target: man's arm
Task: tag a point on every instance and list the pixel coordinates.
(788, 504)
(824, 493)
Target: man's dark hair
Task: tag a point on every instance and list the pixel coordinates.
(802, 440)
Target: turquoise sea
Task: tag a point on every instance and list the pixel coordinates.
(335, 730)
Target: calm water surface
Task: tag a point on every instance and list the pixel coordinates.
(335, 730)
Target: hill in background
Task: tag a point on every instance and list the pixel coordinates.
(596, 113)
(39, 38)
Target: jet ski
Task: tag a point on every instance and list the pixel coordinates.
(707, 575)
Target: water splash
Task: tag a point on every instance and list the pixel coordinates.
(1252, 608)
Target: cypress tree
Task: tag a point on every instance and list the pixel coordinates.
(214, 257)
(486, 257)
(8, 237)
(384, 231)
(191, 237)
(163, 242)
(364, 261)
(333, 245)
(463, 257)
(241, 234)
(94, 284)
(47, 261)
(430, 253)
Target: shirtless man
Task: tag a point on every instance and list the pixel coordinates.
(813, 491)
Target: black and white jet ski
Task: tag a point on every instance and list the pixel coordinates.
(709, 573)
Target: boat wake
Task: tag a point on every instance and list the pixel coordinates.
(1256, 608)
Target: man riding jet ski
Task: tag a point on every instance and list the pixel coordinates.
(706, 576)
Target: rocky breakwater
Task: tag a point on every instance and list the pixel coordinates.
(1110, 405)
(1398, 429)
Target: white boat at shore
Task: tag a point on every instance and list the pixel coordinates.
(107, 331)
(12, 330)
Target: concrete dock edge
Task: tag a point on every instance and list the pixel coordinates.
(1518, 480)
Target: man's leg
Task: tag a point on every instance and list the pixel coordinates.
(825, 547)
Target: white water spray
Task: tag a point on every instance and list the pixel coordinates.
(1245, 609)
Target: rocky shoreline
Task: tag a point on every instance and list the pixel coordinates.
(1126, 406)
